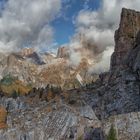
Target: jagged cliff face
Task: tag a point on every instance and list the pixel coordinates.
(125, 37)
(121, 84)
(134, 57)
(117, 93)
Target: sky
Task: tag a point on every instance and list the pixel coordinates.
(64, 26)
(60, 29)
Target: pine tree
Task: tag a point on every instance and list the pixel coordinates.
(14, 94)
(112, 134)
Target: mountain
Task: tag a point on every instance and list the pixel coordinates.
(41, 69)
(106, 108)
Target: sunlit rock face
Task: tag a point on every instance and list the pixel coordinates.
(27, 51)
(63, 52)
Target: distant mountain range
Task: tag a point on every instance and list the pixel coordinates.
(41, 69)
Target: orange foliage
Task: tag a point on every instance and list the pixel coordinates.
(48, 109)
(50, 95)
(3, 116)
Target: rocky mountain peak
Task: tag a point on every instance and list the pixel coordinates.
(125, 37)
(129, 24)
(63, 52)
(27, 51)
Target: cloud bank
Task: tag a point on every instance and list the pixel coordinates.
(98, 27)
(27, 23)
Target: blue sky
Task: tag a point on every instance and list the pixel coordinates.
(64, 27)
(2, 2)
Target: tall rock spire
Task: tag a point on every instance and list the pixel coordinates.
(125, 37)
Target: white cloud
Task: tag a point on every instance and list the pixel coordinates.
(103, 65)
(75, 58)
(27, 22)
(98, 27)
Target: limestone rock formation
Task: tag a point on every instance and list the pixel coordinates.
(33, 121)
(125, 37)
(63, 52)
(27, 51)
(41, 69)
(127, 126)
(134, 57)
(119, 89)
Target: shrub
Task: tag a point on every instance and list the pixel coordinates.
(50, 95)
(56, 90)
(7, 80)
